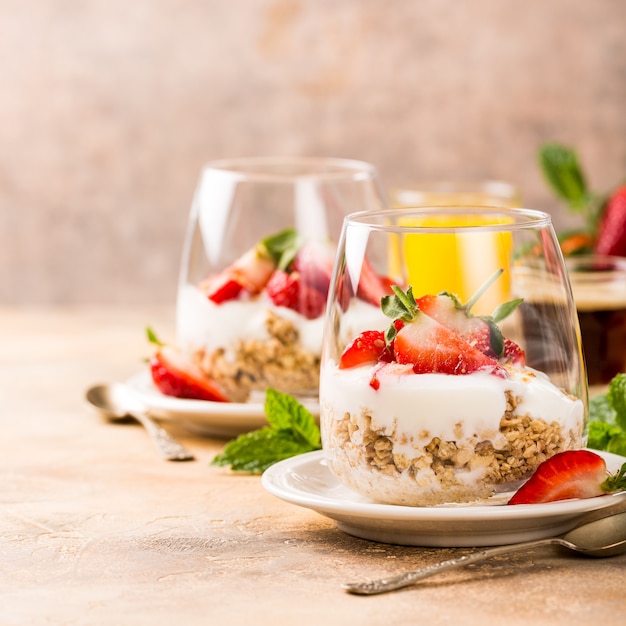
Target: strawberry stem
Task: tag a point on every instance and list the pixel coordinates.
(481, 290)
(615, 482)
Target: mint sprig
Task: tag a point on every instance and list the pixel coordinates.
(607, 415)
(282, 247)
(292, 430)
(562, 171)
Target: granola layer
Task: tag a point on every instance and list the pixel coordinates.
(391, 467)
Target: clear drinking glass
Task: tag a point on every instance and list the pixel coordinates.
(256, 267)
(433, 396)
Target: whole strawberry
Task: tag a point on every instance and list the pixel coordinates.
(612, 229)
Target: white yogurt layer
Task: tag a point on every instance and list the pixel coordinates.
(200, 323)
(423, 406)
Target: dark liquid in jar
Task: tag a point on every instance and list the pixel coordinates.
(603, 335)
(604, 343)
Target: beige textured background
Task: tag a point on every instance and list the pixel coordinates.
(109, 108)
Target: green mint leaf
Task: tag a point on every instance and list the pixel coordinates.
(504, 310)
(292, 430)
(399, 306)
(284, 412)
(563, 173)
(617, 444)
(617, 399)
(283, 246)
(601, 434)
(600, 409)
(254, 452)
(496, 339)
(152, 338)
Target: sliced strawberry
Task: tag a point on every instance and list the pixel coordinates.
(288, 290)
(173, 376)
(513, 353)
(283, 289)
(249, 274)
(449, 312)
(570, 474)
(224, 288)
(431, 347)
(314, 262)
(368, 347)
(388, 369)
(612, 230)
(373, 286)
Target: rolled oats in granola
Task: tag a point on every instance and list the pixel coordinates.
(433, 438)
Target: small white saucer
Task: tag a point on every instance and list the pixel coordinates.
(221, 419)
(305, 480)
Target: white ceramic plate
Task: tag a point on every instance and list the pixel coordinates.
(222, 419)
(305, 480)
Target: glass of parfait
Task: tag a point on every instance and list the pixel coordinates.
(256, 267)
(434, 393)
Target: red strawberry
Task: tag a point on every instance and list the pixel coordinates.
(282, 289)
(175, 377)
(368, 347)
(223, 287)
(373, 286)
(249, 273)
(570, 474)
(288, 290)
(448, 311)
(513, 353)
(431, 347)
(393, 369)
(314, 263)
(612, 230)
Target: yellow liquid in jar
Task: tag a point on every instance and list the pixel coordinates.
(459, 262)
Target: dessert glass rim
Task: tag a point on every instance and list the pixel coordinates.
(289, 168)
(493, 219)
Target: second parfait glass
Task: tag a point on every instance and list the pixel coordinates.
(256, 267)
(452, 363)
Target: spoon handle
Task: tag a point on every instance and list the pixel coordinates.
(168, 448)
(404, 580)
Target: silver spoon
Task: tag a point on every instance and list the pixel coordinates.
(603, 537)
(117, 402)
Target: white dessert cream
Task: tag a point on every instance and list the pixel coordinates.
(427, 439)
(251, 344)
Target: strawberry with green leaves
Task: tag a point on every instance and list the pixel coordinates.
(604, 215)
(436, 334)
(567, 475)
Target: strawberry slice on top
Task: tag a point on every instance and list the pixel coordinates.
(567, 475)
(366, 348)
(249, 274)
(174, 376)
(431, 347)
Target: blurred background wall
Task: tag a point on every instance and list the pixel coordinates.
(109, 108)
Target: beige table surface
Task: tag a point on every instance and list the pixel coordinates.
(96, 529)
